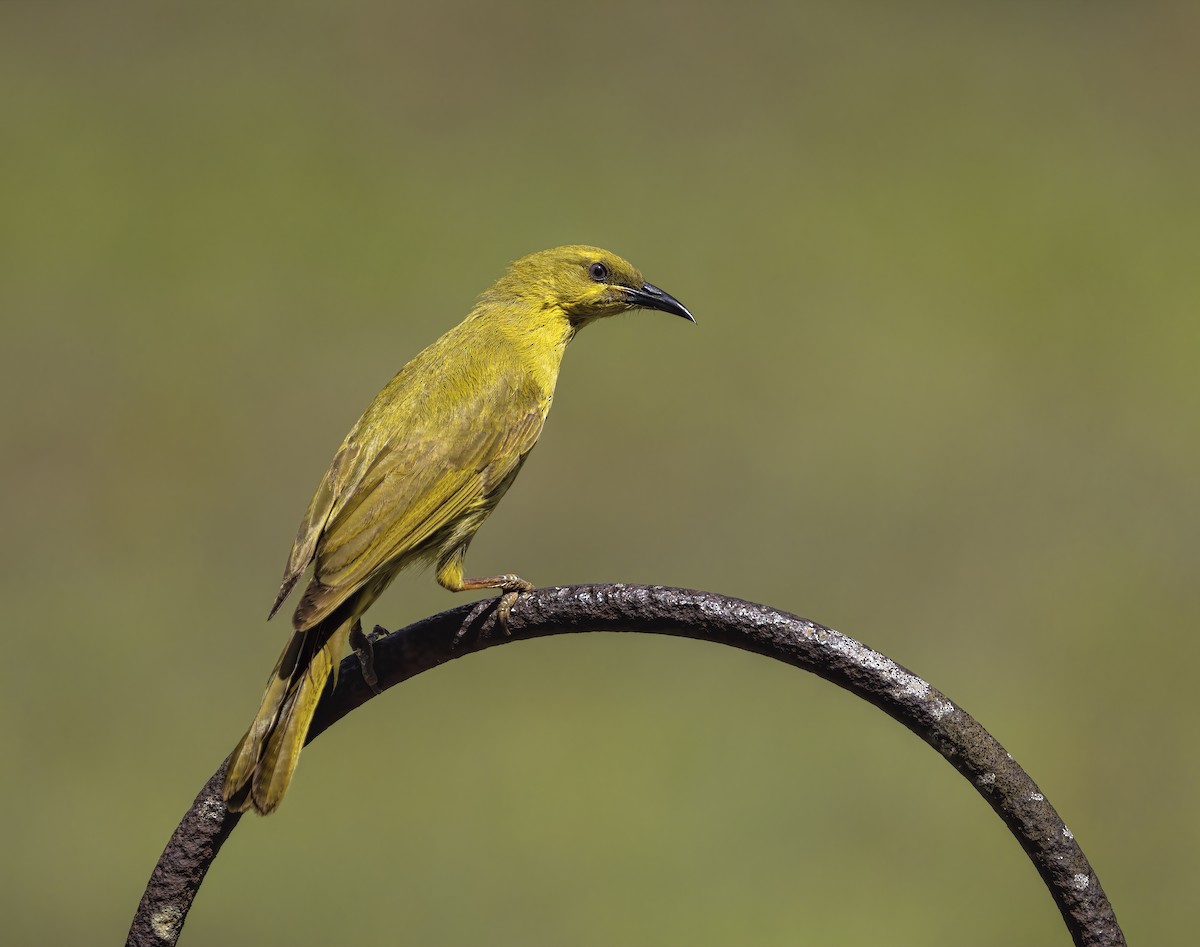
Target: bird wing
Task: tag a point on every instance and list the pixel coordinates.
(440, 455)
(339, 482)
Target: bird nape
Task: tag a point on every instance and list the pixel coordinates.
(418, 474)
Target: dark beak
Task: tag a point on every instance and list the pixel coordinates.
(651, 297)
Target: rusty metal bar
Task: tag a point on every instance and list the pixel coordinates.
(708, 617)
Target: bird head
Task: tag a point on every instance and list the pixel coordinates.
(585, 283)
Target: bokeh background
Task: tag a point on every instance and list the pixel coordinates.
(942, 396)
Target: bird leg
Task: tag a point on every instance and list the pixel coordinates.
(364, 648)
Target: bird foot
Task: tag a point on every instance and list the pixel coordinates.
(364, 648)
(511, 587)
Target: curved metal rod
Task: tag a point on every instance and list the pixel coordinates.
(702, 615)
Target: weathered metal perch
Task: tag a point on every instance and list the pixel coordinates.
(702, 615)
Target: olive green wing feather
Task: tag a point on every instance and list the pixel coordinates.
(339, 481)
(436, 472)
(372, 437)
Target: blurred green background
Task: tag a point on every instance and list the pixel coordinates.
(942, 396)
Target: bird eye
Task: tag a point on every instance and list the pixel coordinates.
(598, 272)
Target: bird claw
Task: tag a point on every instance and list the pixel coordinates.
(504, 608)
(469, 622)
(364, 649)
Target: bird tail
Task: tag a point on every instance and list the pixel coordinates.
(261, 765)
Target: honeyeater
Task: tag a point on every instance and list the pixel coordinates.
(417, 476)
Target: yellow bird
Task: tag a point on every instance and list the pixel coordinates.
(417, 476)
